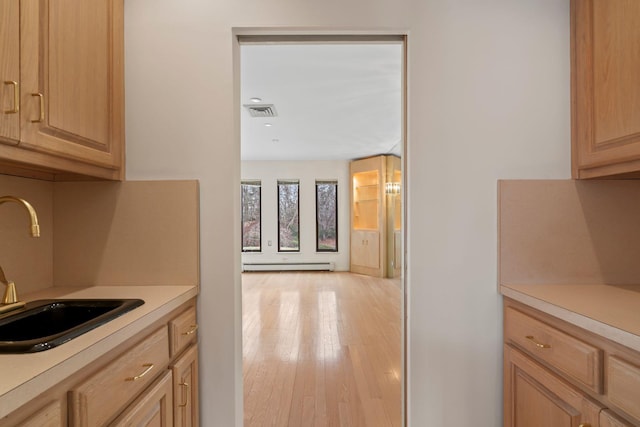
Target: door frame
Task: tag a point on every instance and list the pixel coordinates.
(259, 35)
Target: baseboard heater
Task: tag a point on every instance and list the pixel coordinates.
(288, 266)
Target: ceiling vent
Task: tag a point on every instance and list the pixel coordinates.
(261, 110)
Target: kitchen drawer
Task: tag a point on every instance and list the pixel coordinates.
(153, 408)
(103, 395)
(182, 330)
(623, 385)
(571, 356)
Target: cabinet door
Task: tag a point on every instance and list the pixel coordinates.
(154, 408)
(72, 93)
(358, 256)
(185, 389)
(534, 397)
(365, 249)
(606, 88)
(10, 71)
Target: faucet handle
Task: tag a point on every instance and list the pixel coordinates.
(10, 294)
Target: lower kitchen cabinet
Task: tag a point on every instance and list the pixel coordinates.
(150, 380)
(185, 389)
(623, 384)
(124, 378)
(535, 397)
(557, 374)
(153, 408)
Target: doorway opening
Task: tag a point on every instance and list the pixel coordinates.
(323, 228)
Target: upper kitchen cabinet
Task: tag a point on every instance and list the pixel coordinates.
(605, 84)
(10, 71)
(62, 97)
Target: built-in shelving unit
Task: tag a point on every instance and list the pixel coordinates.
(373, 217)
(366, 200)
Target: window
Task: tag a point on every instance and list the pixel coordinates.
(327, 216)
(288, 216)
(251, 216)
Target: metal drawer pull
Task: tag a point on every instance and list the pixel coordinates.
(585, 425)
(186, 399)
(539, 345)
(41, 118)
(16, 97)
(149, 367)
(193, 329)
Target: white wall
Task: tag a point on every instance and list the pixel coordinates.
(489, 99)
(307, 172)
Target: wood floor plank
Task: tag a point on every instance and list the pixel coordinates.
(321, 349)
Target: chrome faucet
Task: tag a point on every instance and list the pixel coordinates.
(10, 299)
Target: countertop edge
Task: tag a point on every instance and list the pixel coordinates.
(23, 393)
(609, 332)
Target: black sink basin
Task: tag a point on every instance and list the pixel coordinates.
(45, 324)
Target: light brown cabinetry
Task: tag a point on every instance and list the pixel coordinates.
(623, 384)
(374, 225)
(556, 374)
(62, 97)
(534, 397)
(183, 333)
(10, 71)
(183, 330)
(365, 249)
(153, 409)
(185, 389)
(605, 39)
(577, 359)
(143, 382)
(125, 378)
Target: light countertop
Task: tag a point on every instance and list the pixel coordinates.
(612, 311)
(24, 376)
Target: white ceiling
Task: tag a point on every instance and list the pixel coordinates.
(333, 101)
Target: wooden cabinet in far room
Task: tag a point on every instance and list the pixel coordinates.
(376, 224)
(365, 249)
(605, 107)
(62, 94)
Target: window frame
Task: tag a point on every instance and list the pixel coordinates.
(288, 182)
(335, 184)
(258, 184)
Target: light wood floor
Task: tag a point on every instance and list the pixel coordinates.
(321, 349)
